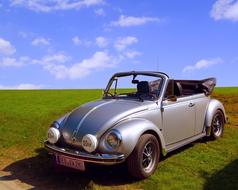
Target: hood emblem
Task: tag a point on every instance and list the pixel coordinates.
(74, 139)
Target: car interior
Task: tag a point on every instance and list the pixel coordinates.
(145, 88)
(182, 88)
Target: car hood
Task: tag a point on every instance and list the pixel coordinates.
(97, 117)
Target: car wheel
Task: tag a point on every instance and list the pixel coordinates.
(144, 159)
(217, 126)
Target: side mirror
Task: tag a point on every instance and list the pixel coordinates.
(135, 81)
(172, 98)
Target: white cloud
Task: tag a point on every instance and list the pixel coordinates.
(98, 61)
(13, 62)
(54, 65)
(132, 54)
(202, 64)
(122, 42)
(54, 5)
(76, 40)
(40, 41)
(6, 47)
(62, 66)
(23, 86)
(101, 42)
(225, 9)
(126, 21)
(100, 12)
(58, 58)
(7, 61)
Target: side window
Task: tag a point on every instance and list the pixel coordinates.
(155, 86)
(170, 89)
(174, 88)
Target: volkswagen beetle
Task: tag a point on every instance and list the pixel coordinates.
(141, 116)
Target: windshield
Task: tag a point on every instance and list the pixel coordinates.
(134, 86)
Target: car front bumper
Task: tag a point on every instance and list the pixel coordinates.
(107, 159)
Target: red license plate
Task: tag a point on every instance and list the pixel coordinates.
(70, 162)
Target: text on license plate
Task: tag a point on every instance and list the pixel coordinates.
(70, 162)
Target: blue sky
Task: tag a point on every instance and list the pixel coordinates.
(81, 43)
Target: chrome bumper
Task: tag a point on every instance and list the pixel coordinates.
(107, 159)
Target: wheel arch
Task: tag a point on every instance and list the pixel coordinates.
(213, 106)
(223, 114)
(152, 132)
(132, 129)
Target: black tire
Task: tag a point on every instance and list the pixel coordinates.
(217, 126)
(144, 159)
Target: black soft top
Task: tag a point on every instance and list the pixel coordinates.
(195, 86)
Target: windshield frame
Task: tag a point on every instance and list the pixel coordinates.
(160, 75)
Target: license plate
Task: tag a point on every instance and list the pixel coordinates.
(70, 162)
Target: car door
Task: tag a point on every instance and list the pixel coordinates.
(178, 117)
(178, 120)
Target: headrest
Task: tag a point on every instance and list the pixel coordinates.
(143, 87)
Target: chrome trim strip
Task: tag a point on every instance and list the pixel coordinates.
(109, 159)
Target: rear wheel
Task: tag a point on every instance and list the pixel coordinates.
(217, 126)
(144, 159)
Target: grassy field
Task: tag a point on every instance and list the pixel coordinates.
(26, 115)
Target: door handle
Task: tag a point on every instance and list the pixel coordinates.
(191, 104)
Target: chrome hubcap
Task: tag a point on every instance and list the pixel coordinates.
(217, 125)
(148, 159)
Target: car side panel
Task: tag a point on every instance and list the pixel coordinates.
(178, 120)
(201, 103)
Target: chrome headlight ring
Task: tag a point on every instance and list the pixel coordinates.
(113, 139)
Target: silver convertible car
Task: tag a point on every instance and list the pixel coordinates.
(141, 117)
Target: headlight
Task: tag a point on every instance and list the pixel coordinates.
(89, 143)
(53, 135)
(113, 139)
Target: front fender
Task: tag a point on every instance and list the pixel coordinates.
(60, 122)
(131, 130)
(213, 106)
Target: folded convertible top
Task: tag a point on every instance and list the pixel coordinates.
(190, 87)
(208, 85)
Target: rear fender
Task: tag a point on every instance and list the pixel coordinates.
(213, 106)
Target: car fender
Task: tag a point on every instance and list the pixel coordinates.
(60, 121)
(131, 130)
(213, 106)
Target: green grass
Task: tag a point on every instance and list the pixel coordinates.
(226, 90)
(26, 115)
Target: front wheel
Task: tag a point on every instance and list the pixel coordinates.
(144, 159)
(217, 126)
